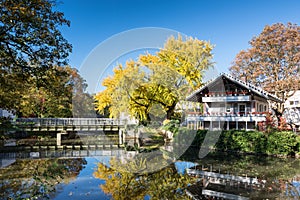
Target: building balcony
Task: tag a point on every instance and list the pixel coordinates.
(240, 116)
(240, 98)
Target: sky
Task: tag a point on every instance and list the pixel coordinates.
(105, 32)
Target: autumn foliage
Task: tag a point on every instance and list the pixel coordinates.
(154, 84)
(272, 61)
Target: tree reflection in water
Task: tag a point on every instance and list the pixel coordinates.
(37, 178)
(133, 179)
(136, 179)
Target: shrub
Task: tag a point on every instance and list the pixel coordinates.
(281, 143)
(171, 125)
(275, 143)
(298, 144)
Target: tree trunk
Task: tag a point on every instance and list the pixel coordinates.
(279, 108)
(146, 121)
(170, 111)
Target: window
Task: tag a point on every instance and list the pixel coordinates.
(296, 102)
(227, 108)
(242, 108)
(260, 108)
(291, 103)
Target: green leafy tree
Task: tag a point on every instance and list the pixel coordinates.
(30, 44)
(58, 91)
(272, 62)
(83, 104)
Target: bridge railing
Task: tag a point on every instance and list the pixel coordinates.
(69, 121)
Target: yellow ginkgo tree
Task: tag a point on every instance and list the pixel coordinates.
(154, 84)
(119, 87)
(190, 58)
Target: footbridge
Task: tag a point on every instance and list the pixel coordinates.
(70, 124)
(64, 125)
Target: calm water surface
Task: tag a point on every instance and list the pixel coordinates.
(85, 186)
(69, 176)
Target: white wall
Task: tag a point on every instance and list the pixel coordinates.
(295, 100)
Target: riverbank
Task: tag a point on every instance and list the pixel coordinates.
(276, 143)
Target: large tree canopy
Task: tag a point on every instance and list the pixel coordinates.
(30, 45)
(273, 60)
(154, 84)
(29, 35)
(60, 90)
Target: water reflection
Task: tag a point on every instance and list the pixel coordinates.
(132, 180)
(213, 184)
(112, 174)
(219, 175)
(37, 178)
(233, 176)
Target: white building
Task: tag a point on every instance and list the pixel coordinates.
(229, 103)
(293, 101)
(292, 109)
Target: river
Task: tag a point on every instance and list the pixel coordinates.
(119, 174)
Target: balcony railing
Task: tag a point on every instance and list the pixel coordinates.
(226, 98)
(231, 117)
(228, 93)
(224, 114)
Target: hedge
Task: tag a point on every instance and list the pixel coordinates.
(273, 143)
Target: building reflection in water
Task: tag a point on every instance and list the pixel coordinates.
(38, 173)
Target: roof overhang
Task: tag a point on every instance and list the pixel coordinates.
(197, 94)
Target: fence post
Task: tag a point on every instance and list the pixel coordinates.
(58, 137)
(120, 136)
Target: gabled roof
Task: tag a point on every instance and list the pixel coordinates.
(248, 86)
